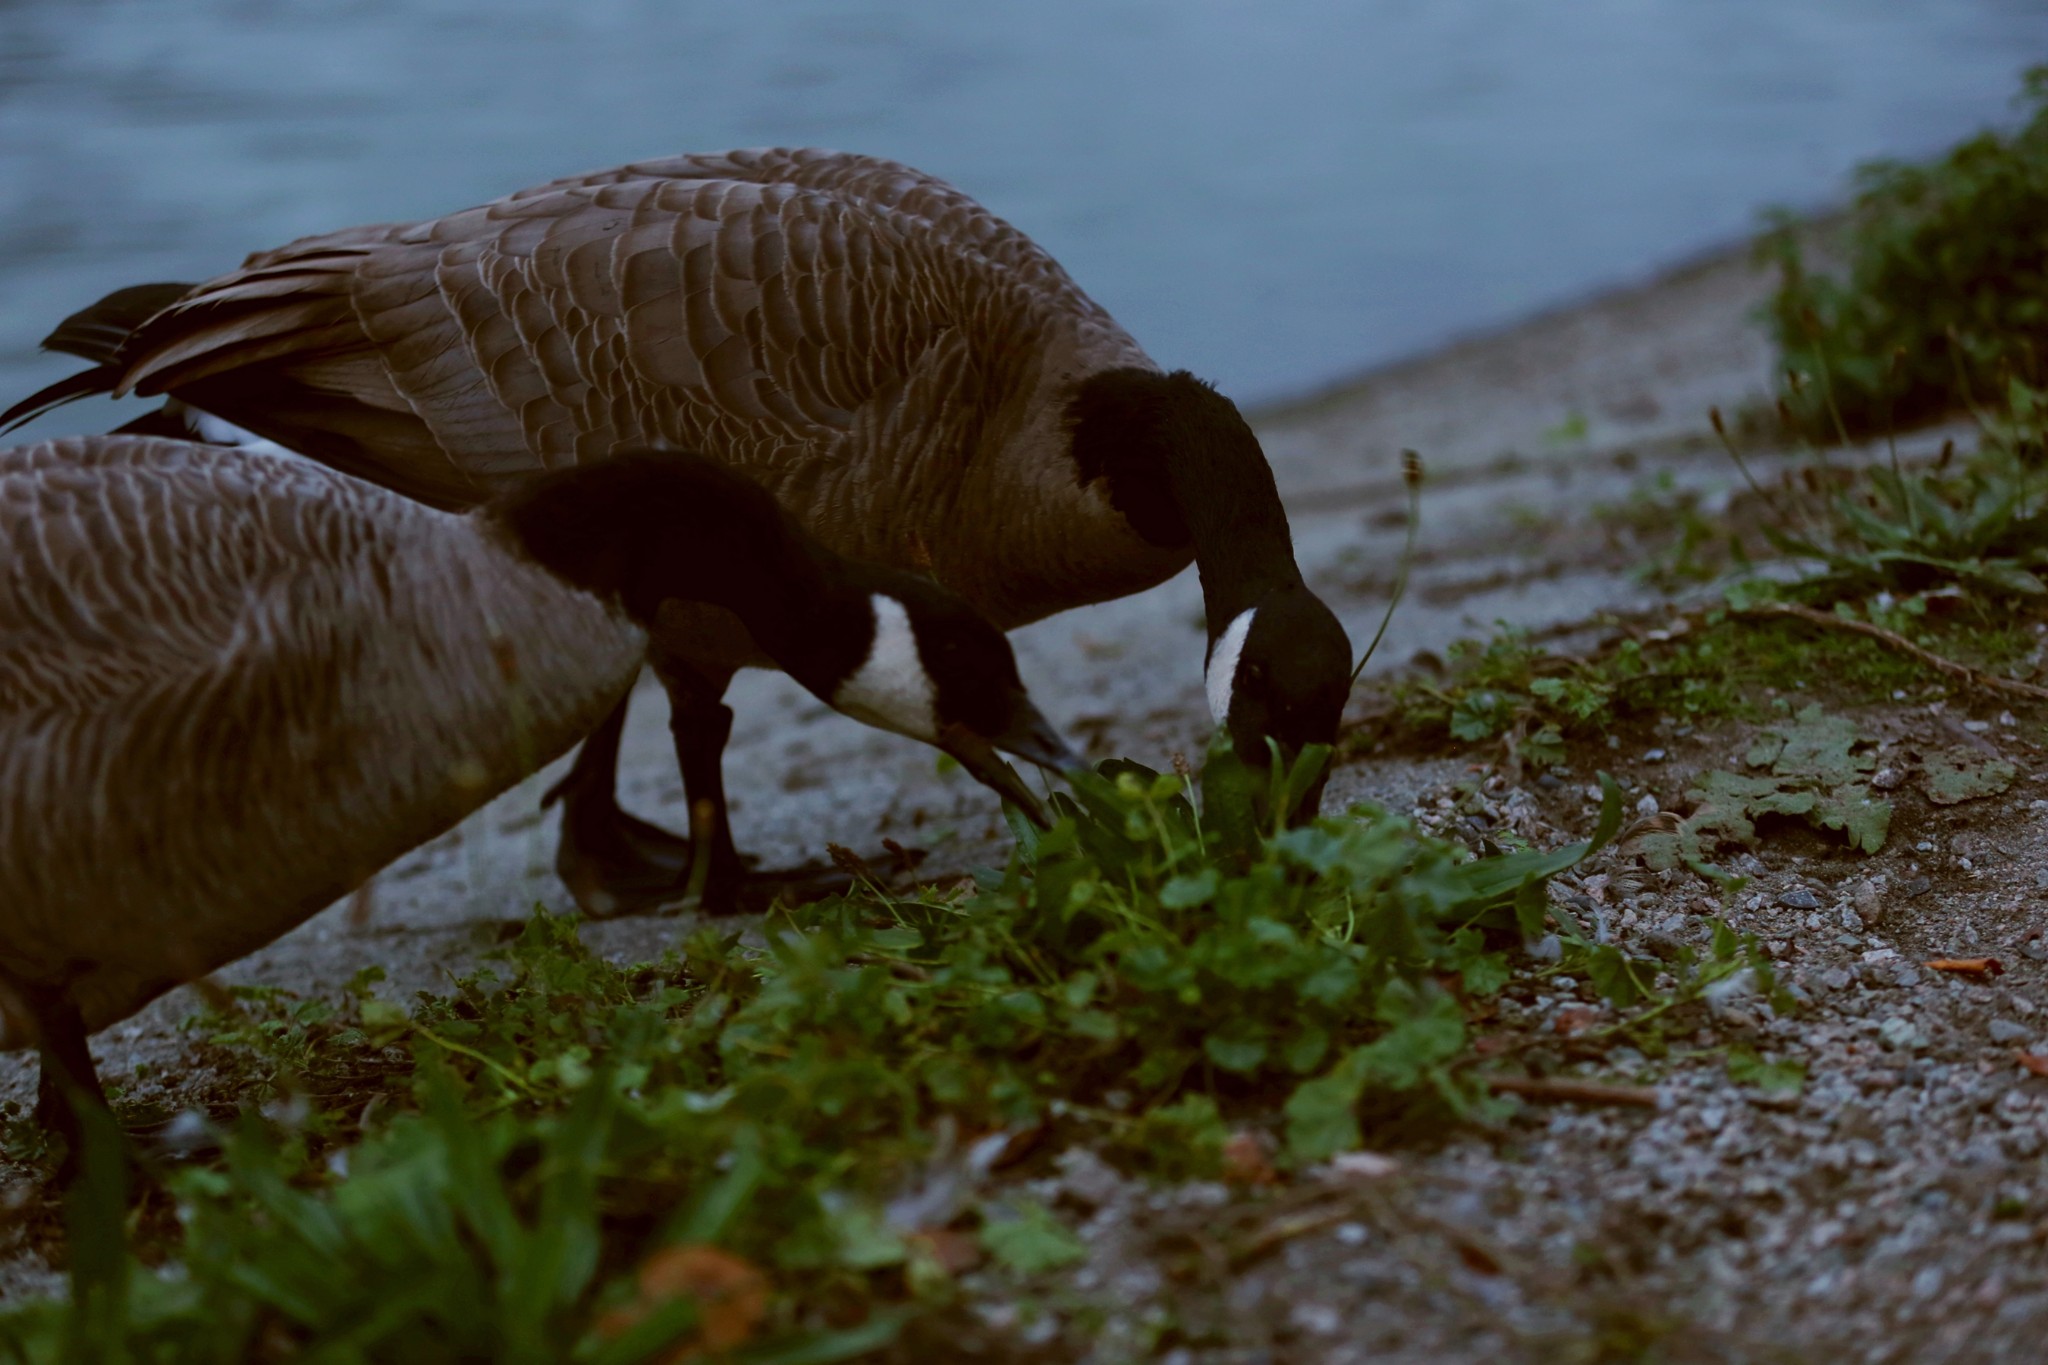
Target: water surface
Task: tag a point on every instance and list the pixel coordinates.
(1273, 194)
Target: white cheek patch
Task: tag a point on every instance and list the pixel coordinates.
(891, 689)
(1223, 664)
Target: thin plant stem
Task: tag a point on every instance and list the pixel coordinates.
(1411, 474)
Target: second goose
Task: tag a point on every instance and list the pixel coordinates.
(234, 685)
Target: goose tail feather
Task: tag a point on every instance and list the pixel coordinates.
(98, 332)
(98, 379)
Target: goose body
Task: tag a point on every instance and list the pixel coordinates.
(886, 356)
(918, 382)
(233, 685)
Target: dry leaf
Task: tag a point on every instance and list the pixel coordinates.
(731, 1296)
(951, 1250)
(1969, 966)
(1576, 1019)
(2034, 1062)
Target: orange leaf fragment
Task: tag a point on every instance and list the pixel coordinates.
(951, 1250)
(731, 1296)
(1575, 1019)
(1969, 966)
(2034, 1062)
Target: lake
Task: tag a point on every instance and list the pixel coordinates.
(1275, 195)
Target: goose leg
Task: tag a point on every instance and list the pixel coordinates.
(702, 724)
(68, 1080)
(611, 862)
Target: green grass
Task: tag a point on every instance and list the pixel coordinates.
(1950, 555)
(1729, 668)
(1944, 299)
(503, 1170)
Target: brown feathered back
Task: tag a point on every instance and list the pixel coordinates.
(232, 686)
(892, 360)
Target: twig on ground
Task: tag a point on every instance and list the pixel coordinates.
(1552, 1090)
(1286, 1230)
(1961, 672)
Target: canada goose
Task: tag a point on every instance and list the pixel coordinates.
(233, 685)
(911, 376)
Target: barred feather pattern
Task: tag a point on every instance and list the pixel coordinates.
(232, 686)
(891, 359)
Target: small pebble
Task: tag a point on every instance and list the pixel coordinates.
(1799, 898)
(1647, 807)
(2035, 948)
(1900, 1035)
(1851, 921)
(1087, 1178)
(188, 1131)
(1976, 727)
(2006, 1031)
(1887, 779)
(1736, 986)
(1918, 886)
(1318, 1319)
(1654, 756)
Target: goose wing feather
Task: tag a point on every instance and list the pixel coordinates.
(755, 304)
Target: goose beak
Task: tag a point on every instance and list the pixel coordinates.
(1030, 736)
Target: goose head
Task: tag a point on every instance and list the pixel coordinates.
(1280, 670)
(902, 653)
(1178, 461)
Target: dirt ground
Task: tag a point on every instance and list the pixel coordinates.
(1893, 1211)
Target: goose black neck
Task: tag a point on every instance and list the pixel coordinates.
(1184, 468)
(644, 528)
